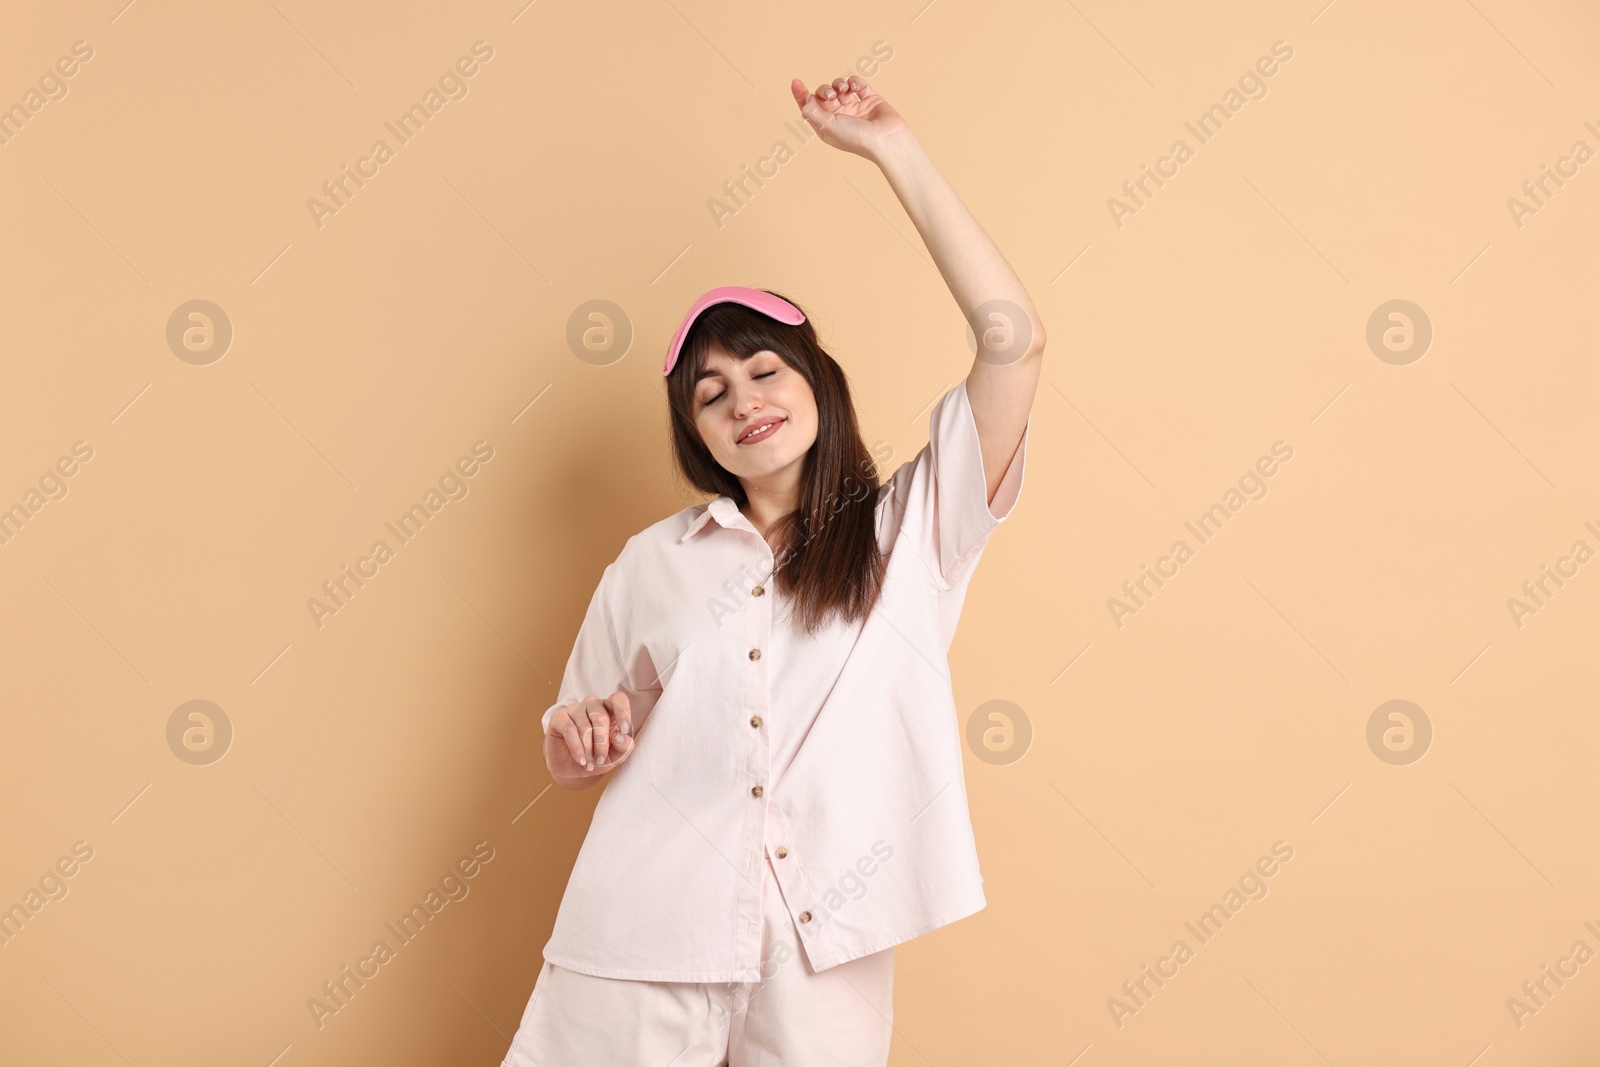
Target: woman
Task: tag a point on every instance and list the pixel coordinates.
(786, 801)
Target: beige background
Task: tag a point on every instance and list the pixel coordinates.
(431, 312)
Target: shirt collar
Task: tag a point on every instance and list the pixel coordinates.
(725, 511)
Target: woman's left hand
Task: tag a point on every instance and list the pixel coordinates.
(850, 115)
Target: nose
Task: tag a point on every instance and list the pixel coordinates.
(746, 399)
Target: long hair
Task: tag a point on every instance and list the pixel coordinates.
(826, 553)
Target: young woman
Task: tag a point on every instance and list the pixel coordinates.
(786, 801)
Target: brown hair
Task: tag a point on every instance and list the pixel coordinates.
(826, 553)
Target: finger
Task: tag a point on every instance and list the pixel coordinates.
(827, 97)
(814, 114)
(621, 746)
(580, 717)
(819, 113)
(600, 733)
(561, 725)
(569, 734)
(621, 711)
(845, 87)
(810, 106)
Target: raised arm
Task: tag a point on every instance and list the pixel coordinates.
(851, 116)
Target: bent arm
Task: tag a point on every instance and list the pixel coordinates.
(1001, 391)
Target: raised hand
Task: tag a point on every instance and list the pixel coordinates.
(849, 115)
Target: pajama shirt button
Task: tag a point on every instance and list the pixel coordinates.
(755, 720)
(756, 791)
(782, 852)
(805, 916)
(755, 653)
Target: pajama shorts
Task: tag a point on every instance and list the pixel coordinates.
(792, 1017)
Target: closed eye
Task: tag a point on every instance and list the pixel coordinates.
(719, 396)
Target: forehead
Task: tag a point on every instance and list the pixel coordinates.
(719, 363)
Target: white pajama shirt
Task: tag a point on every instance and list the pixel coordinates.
(837, 755)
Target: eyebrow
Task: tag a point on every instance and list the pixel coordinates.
(711, 372)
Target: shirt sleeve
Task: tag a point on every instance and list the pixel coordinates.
(946, 493)
(598, 665)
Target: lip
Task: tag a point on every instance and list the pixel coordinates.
(777, 425)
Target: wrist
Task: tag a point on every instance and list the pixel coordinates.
(573, 783)
(897, 148)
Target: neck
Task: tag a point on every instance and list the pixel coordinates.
(770, 500)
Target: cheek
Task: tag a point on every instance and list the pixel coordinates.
(808, 407)
(710, 436)
(801, 402)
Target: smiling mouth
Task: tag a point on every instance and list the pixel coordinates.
(762, 434)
